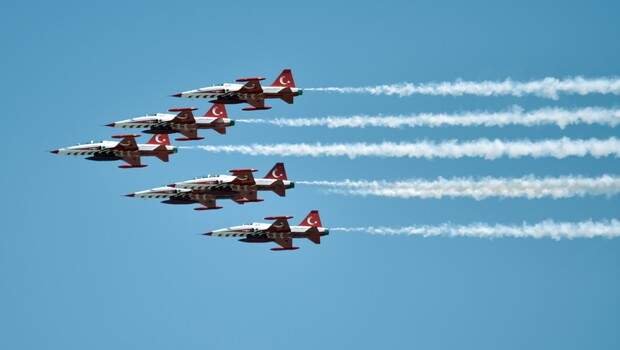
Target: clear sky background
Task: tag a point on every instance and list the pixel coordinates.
(83, 267)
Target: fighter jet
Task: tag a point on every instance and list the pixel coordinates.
(126, 149)
(250, 92)
(279, 231)
(240, 187)
(183, 122)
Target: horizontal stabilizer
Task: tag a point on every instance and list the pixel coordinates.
(162, 153)
(314, 235)
(279, 188)
(287, 95)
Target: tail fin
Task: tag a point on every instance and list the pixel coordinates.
(218, 110)
(277, 172)
(313, 219)
(160, 139)
(285, 79)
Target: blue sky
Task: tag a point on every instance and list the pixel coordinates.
(83, 267)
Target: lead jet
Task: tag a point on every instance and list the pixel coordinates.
(240, 187)
(182, 122)
(279, 231)
(126, 149)
(250, 91)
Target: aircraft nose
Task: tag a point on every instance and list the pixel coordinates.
(326, 231)
(177, 95)
(130, 195)
(207, 233)
(111, 125)
(172, 185)
(54, 151)
(291, 185)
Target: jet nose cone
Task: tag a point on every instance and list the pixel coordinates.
(111, 125)
(177, 95)
(130, 195)
(54, 151)
(326, 232)
(172, 185)
(207, 233)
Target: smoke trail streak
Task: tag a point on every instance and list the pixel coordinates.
(547, 88)
(544, 229)
(485, 148)
(515, 116)
(528, 187)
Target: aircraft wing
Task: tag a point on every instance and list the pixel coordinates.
(243, 176)
(286, 243)
(127, 142)
(190, 134)
(247, 197)
(184, 116)
(251, 86)
(133, 161)
(257, 103)
(280, 224)
(208, 203)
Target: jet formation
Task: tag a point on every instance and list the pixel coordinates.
(239, 186)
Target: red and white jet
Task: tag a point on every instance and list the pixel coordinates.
(279, 231)
(250, 92)
(126, 149)
(183, 122)
(240, 187)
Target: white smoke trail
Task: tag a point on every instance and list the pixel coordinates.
(544, 229)
(485, 148)
(547, 87)
(528, 187)
(515, 116)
